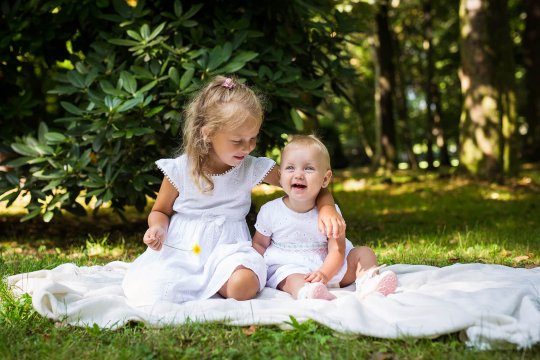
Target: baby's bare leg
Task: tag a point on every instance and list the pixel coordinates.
(242, 285)
(359, 260)
(292, 284)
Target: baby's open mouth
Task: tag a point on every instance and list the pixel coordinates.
(299, 186)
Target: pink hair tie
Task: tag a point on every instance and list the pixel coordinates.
(228, 83)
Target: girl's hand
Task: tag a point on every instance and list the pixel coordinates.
(154, 237)
(331, 223)
(316, 276)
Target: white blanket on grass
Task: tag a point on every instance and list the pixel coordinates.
(493, 306)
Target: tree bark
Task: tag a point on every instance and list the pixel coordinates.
(430, 70)
(386, 150)
(402, 109)
(488, 119)
(531, 52)
(438, 129)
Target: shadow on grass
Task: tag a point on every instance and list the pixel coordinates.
(430, 210)
(69, 231)
(377, 212)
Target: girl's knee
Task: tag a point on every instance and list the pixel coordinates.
(366, 252)
(361, 259)
(360, 252)
(242, 285)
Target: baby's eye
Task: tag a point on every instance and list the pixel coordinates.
(310, 168)
(236, 142)
(289, 168)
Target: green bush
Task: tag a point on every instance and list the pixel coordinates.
(123, 98)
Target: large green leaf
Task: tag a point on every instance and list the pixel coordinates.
(20, 161)
(186, 78)
(156, 31)
(76, 79)
(24, 149)
(215, 58)
(54, 137)
(72, 109)
(124, 42)
(134, 35)
(145, 32)
(174, 76)
(128, 82)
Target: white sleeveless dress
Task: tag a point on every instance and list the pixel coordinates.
(297, 246)
(207, 239)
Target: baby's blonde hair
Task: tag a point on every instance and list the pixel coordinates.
(222, 103)
(310, 140)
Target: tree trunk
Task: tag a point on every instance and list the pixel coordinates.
(430, 70)
(438, 129)
(531, 51)
(488, 119)
(402, 108)
(434, 130)
(367, 151)
(386, 150)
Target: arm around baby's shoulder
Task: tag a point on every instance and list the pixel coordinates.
(272, 178)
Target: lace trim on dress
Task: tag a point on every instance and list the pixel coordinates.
(264, 176)
(168, 178)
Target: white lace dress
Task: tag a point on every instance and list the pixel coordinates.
(208, 237)
(297, 246)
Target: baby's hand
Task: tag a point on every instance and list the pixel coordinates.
(316, 276)
(331, 223)
(154, 237)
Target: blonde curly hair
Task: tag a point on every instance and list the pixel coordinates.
(223, 103)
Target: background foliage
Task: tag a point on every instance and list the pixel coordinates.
(122, 75)
(87, 106)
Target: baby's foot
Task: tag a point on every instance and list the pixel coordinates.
(315, 291)
(384, 283)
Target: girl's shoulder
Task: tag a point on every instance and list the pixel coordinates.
(180, 160)
(173, 169)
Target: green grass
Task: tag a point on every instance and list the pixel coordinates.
(416, 219)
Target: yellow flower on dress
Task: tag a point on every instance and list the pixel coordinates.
(196, 249)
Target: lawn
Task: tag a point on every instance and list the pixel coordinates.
(408, 218)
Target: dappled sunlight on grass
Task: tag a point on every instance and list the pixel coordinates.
(409, 218)
(18, 208)
(99, 247)
(350, 185)
(431, 206)
(265, 189)
(433, 253)
(94, 251)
